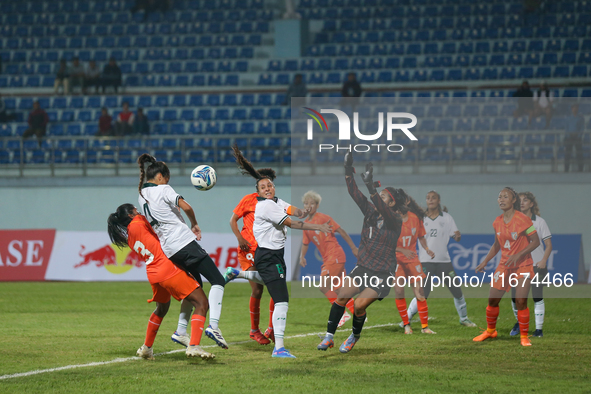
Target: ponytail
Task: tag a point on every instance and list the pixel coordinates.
(144, 158)
(117, 224)
(155, 168)
(247, 168)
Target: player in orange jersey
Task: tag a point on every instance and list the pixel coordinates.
(516, 238)
(333, 255)
(127, 227)
(247, 245)
(409, 266)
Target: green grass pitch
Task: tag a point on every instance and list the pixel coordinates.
(51, 325)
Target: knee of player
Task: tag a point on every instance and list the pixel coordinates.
(162, 309)
(494, 302)
(359, 308)
(521, 303)
(257, 292)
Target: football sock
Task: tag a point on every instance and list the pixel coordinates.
(523, 318)
(423, 312)
(514, 307)
(253, 276)
(412, 309)
(401, 305)
(279, 322)
(271, 309)
(461, 307)
(255, 312)
(197, 322)
(186, 310)
(153, 326)
(358, 322)
(351, 306)
(336, 312)
(331, 295)
(492, 313)
(216, 294)
(539, 311)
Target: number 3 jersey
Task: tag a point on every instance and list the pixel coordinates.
(160, 206)
(512, 237)
(437, 234)
(144, 241)
(411, 230)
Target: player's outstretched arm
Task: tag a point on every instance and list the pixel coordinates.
(186, 207)
(303, 254)
(243, 244)
(326, 228)
(349, 241)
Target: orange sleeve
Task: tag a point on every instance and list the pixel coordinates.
(239, 210)
(290, 210)
(306, 238)
(421, 229)
(526, 226)
(333, 223)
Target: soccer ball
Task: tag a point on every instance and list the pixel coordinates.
(203, 177)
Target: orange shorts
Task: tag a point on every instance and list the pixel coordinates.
(333, 269)
(505, 277)
(407, 270)
(179, 286)
(246, 259)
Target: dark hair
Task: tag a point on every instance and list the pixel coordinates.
(517, 203)
(117, 224)
(415, 208)
(399, 197)
(125, 102)
(530, 196)
(104, 109)
(155, 168)
(247, 168)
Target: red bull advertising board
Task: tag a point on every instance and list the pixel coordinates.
(38, 255)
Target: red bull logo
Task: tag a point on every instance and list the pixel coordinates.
(115, 260)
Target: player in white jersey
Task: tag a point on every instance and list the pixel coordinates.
(540, 255)
(440, 227)
(271, 217)
(160, 205)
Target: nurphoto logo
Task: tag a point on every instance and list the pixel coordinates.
(391, 119)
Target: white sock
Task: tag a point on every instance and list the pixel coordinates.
(279, 322)
(412, 309)
(216, 294)
(252, 276)
(329, 335)
(539, 311)
(461, 307)
(514, 309)
(184, 316)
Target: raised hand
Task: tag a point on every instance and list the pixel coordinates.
(349, 169)
(367, 178)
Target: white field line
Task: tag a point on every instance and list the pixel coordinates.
(122, 360)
